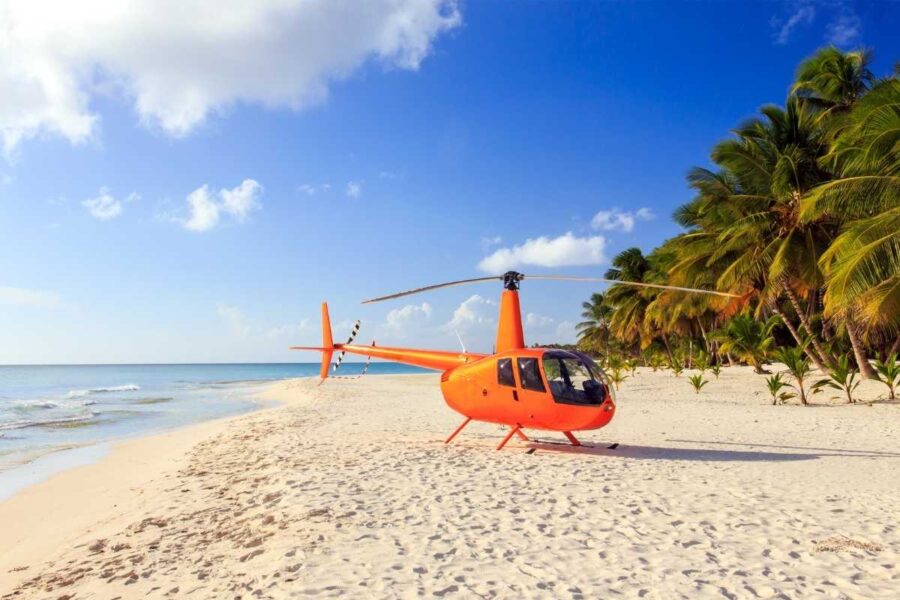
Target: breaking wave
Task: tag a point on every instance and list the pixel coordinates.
(103, 390)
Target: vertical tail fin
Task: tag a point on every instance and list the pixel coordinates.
(327, 348)
(327, 342)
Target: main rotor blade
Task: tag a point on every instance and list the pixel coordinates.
(632, 283)
(434, 287)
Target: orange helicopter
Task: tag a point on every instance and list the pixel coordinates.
(533, 388)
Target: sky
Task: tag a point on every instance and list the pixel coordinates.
(188, 181)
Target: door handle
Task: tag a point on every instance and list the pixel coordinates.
(515, 395)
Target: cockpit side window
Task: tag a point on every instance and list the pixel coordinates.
(572, 381)
(530, 374)
(505, 372)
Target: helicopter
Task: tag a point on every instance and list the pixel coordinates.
(515, 386)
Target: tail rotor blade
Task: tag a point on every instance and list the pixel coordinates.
(353, 334)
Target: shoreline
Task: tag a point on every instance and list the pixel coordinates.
(104, 487)
(58, 459)
(348, 488)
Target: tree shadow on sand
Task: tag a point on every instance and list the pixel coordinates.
(823, 451)
(662, 453)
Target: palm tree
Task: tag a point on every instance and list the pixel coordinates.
(862, 265)
(833, 80)
(745, 217)
(627, 321)
(593, 332)
(748, 339)
(800, 217)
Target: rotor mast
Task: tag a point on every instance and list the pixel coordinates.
(509, 325)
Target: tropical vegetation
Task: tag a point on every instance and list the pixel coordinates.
(798, 217)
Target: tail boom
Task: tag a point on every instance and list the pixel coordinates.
(430, 359)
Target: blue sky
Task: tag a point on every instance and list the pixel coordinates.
(361, 151)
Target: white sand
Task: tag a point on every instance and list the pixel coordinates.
(348, 490)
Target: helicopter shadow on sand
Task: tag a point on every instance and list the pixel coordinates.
(636, 452)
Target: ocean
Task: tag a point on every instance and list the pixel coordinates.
(48, 409)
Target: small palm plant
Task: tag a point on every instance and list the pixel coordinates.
(798, 366)
(748, 339)
(776, 384)
(677, 367)
(701, 363)
(632, 365)
(842, 377)
(889, 372)
(656, 361)
(697, 382)
(716, 369)
(617, 375)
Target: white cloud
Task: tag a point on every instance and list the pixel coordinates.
(845, 28)
(475, 310)
(237, 323)
(803, 14)
(617, 220)
(241, 200)
(104, 207)
(291, 330)
(179, 61)
(566, 333)
(204, 210)
(537, 321)
(400, 320)
(354, 189)
(25, 297)
(311, 189)
(206, 207)
(565, 250)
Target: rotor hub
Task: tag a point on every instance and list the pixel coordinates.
(511, 280)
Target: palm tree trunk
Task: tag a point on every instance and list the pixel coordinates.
(668, 350)
(703, 332)
(895, 348)
(859, 353)
(804, 322)
(812, 355)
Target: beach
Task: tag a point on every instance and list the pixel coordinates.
(347, 489)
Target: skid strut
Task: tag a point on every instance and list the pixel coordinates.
(457, 430)
(572, 438)
(514, 431)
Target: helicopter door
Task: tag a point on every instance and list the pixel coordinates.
(505, 376)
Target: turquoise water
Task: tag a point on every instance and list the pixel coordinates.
(45, 409)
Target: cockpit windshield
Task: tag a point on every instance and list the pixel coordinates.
(573, 378)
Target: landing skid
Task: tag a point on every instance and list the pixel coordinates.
(517, 430)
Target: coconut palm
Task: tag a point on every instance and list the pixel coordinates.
(800, 217)
(748, 339)
(593, 332)
(628, 320)
(862, 265)
(833, 80)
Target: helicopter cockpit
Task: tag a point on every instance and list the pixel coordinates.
(574, 378)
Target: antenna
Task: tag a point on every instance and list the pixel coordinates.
(459, 337)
